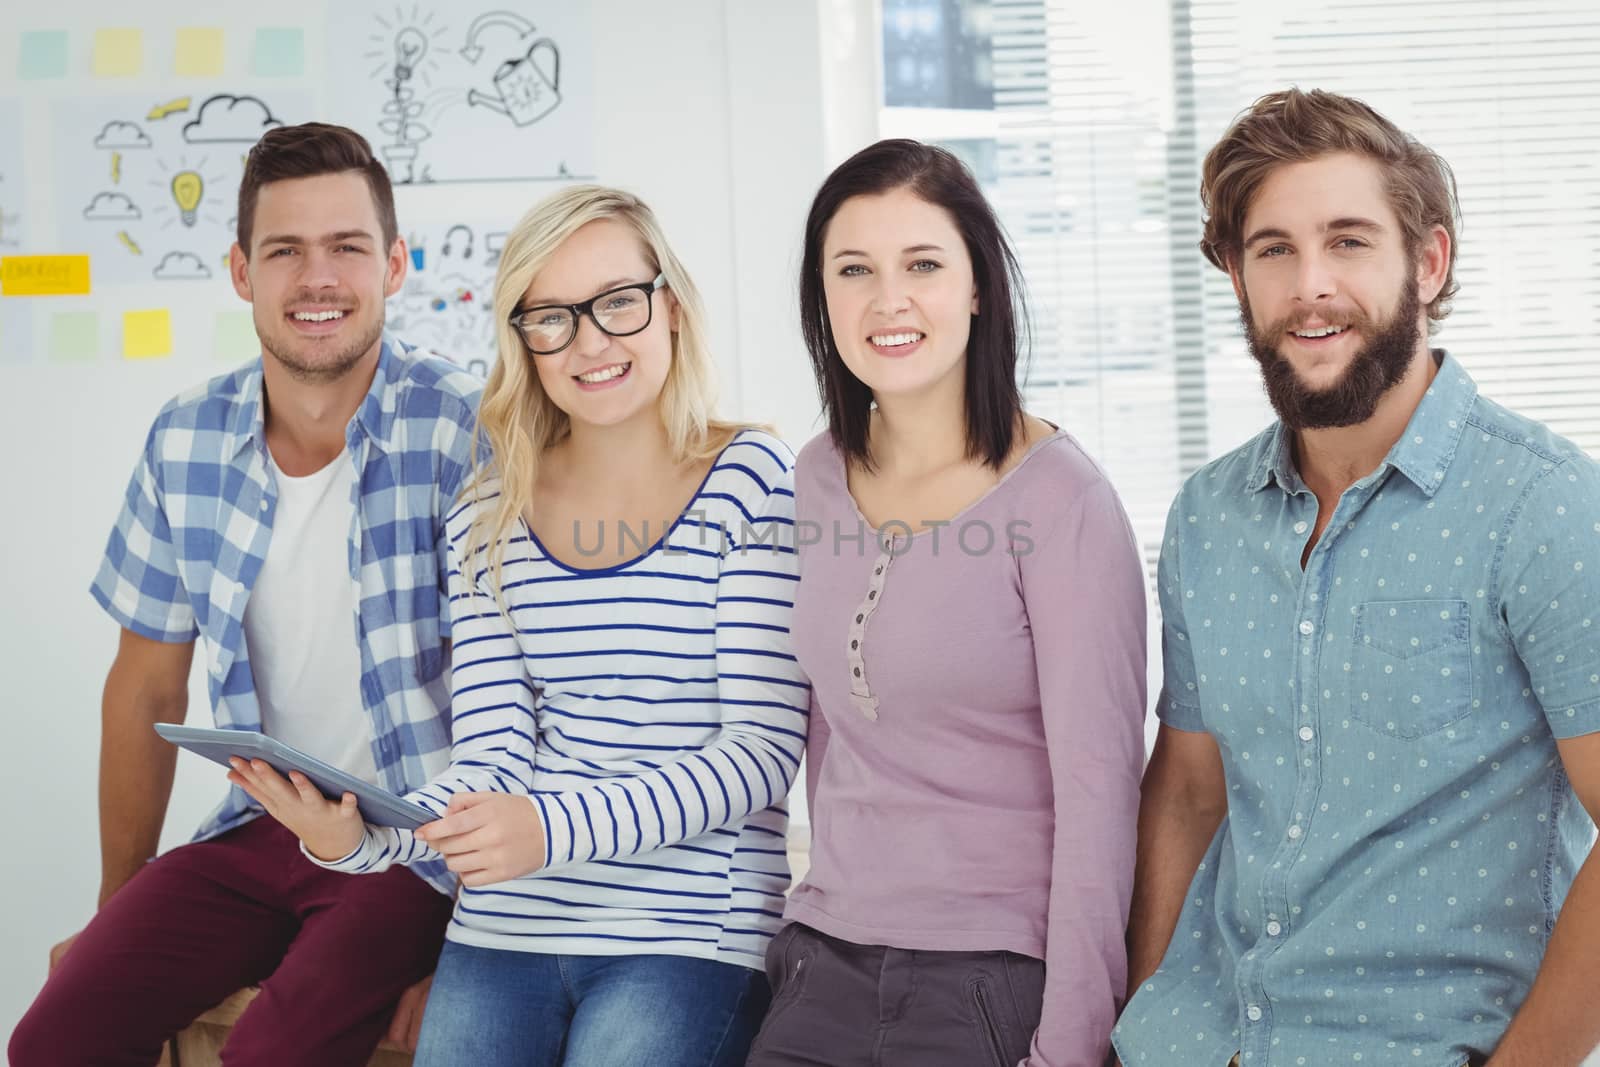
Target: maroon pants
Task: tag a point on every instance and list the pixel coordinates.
(331, 952)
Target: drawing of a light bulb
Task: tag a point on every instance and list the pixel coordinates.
(186, 190)
(410, 45)
(402, 110)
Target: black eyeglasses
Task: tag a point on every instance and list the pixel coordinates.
(620, 312)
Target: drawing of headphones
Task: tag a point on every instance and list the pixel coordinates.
(466, 253)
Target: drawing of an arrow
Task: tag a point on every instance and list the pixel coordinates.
(116, 167)
(171, 107)
(122, 235)
(472, 53)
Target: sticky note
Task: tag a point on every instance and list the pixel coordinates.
(199, 53)
(146, 334)
(42, 54)
(74, 335)
(44, 275)
(234, 336)
(279, 53)
(118, 53)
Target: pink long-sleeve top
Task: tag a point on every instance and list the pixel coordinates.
(977, 738)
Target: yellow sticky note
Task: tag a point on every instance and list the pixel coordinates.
(146, 334)
(44, 275)
(199, 53)
(118, 53)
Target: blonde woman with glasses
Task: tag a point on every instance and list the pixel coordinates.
(628, 712)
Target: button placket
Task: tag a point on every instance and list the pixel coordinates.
(1250, 977)
(855, 653)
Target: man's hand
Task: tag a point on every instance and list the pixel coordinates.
(407, 1022)
(330, 830)
(488, 837)
(58, 951)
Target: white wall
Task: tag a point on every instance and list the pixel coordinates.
(715, 113)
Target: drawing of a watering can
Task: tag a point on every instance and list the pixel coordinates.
(528, 86)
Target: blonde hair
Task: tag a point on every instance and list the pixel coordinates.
(1294, 126)
(519, 422)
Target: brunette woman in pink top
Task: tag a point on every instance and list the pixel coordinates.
(971, 613)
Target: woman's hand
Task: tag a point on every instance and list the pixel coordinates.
(488, 837)
(329, 829)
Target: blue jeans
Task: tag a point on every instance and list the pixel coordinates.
(496, 1008)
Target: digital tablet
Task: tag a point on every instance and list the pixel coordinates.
(379, 807)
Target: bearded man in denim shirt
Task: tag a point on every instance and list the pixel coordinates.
(1366, 822)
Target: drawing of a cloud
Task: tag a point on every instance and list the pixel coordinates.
(111, 207)
(223, 119)
(122, 136)
(179, 266)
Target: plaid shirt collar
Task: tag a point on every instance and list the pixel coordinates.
(375, 417)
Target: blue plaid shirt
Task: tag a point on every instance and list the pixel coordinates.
(197, 520)
(1401, 833)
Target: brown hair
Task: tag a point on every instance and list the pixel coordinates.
(1294, 126)
(305, 151)
(998, 336)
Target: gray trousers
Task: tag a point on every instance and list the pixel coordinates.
(838, 1004)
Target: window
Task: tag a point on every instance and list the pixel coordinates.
(1087, 124)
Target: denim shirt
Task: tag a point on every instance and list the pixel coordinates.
(1401, 832)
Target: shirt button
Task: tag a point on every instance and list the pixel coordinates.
(265, 504)
(1306, 627)
(1274, 928)
(1306, 733)
(1253, 1013)
(1299, 527)
(1294, 833)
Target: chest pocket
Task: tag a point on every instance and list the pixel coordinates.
(1412, 666)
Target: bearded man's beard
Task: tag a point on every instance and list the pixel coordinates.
(1378, 367)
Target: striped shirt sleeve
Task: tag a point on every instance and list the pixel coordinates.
(761, 696)
(492, 724)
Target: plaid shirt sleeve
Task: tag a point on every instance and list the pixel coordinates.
(138, 584)
(453, 446)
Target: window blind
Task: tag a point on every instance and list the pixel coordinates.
(1087, 127)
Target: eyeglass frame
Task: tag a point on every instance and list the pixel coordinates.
(587, 308)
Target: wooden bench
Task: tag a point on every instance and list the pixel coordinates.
(201, 1044)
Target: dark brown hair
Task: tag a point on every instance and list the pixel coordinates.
(306, 151)
(1294, 126)
(999, 331)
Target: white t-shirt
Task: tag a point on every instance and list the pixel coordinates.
(300, 623)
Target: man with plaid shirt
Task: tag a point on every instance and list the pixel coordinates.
(289, 516)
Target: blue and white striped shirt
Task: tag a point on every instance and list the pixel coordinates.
(197, 520)
(653, 711)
